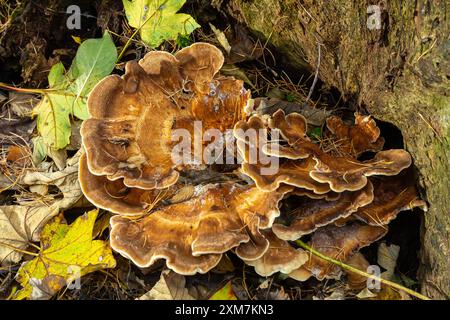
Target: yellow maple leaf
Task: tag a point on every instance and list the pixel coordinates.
(225, 293)
(67, 253)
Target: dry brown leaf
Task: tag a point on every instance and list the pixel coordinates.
(21, 224)
(221, 38)
(171, 286)
(387, 258)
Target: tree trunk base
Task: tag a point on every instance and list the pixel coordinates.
(396, 69)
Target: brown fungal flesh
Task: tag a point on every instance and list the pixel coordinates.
(391, 195)
(363, 136)
(312, 214)
(217, 218)
(294, 173)
(116, 197)
(339, 243)
(341, 173)
(280, 257)
(129, 135)
(354, 280)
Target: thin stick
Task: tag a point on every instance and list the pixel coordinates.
(316, 76)
(359, 272)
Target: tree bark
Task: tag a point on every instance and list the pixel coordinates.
(397, 68)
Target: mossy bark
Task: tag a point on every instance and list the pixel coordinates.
(398, 72)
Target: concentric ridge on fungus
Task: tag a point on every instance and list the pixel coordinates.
(340, 173)
(128, 168)
(129, 134)
(218, 218)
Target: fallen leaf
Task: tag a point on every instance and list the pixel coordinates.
(407, 281)
(101, 224)
(21, 104)
(59, 157)
(388, 293)
(42, 150)
(225, 265)
(265, 284)
(366, 294)
(67, 253)
(243, 46)
(21, 223)
(337, 294)
(16, 126)
(387, 258)
(273, 293)
(75, 136)
(158, 20)
(18, 154)
(39, 150)
(221, 38)
(171, 286)
(225, 293)
(76, 39)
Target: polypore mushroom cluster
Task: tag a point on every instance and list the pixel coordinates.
(130, 168)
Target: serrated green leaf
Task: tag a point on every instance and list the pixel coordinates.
(158, 20)
(67, 253)
(68, 92)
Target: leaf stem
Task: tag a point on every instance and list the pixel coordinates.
(7, 245)
(359, 272)
(8, 87)
(37, 91)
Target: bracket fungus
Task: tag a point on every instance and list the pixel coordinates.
(280, 257)
(354, 140)
(339, 243)
(130, 133)
(391, 195)
(162, 212)
(218, 218)
(314, 213)
(341, 173)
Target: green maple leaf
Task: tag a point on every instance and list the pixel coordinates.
(158, 20)
(68, 91)
(67, 253)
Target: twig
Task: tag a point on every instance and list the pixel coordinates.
(316, 75)
(359, 272)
